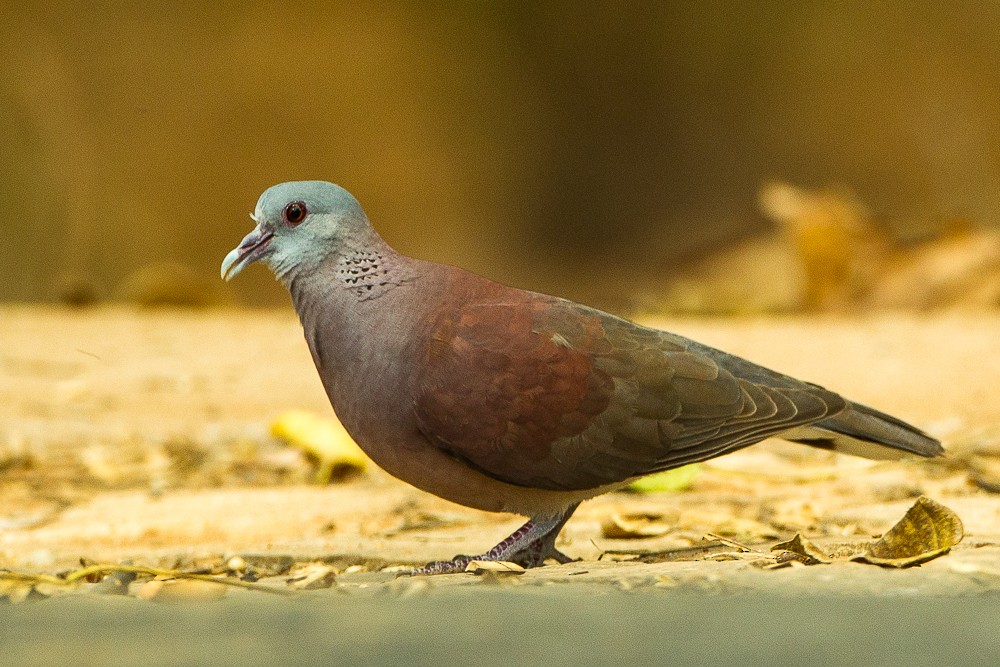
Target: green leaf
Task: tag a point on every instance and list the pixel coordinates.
(669, 481)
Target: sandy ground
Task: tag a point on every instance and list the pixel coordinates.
(144, 436)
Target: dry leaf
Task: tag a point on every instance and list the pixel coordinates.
(926, 531)
(181, 590)
(635, 525)
(733, 555)
(835, 238)
(312, 576)
(781, 565)
(745, 529)
(494, 566)
(800, 550)
(268, 565)
(15, 592)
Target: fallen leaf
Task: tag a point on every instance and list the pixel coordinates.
(494, 566)
(780, 565)
(636, 525)
(312, 576)
(748, 530)
(268, 565)
(838, 243)
(733, 555)
(181, 590)
(926, 531)
(15, 592)
(668, 481)
(326, 440)
(799, 549)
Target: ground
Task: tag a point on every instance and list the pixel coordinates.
(143, 435)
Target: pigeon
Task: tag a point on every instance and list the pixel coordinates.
(507, 400)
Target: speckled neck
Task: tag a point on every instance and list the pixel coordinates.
(345, 293)
(368, 274)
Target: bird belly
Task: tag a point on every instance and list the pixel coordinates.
(417, 462)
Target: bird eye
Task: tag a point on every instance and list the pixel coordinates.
(295, 212)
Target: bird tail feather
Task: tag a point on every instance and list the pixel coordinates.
(867, 432)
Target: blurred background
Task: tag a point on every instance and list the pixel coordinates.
(676, 157)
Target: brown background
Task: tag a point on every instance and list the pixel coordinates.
(553, 145)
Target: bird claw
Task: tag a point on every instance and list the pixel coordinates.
(561, 558)
(529, 546)
(532, 555)
(453, 566)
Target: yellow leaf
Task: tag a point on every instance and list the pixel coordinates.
(495, 566)
(668, 481)
(326, 440)
(926, 531)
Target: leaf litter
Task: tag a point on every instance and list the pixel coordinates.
(27, 586)
(927, 530)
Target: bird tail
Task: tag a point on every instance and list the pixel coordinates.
(863, 431)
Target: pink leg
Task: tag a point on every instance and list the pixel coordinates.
(530, 545)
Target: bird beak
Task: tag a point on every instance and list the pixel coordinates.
(251, 248)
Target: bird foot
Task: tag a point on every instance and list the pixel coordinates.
(453, 566)
(527, 558)
(529, 546)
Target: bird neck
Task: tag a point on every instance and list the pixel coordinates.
(369, 273)
(341, 317)
(348, 287)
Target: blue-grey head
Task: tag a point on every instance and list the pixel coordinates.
(298, 225)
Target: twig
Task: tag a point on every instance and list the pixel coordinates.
(733, 543)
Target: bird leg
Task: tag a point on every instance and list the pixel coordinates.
(530, 545)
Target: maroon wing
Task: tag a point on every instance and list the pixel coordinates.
(549, 394)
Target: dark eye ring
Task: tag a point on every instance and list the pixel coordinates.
(295, 212)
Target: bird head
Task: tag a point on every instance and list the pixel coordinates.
(298, 225)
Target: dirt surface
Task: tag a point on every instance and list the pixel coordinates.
(144, 436)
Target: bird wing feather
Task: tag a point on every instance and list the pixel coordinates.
(550, 394)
